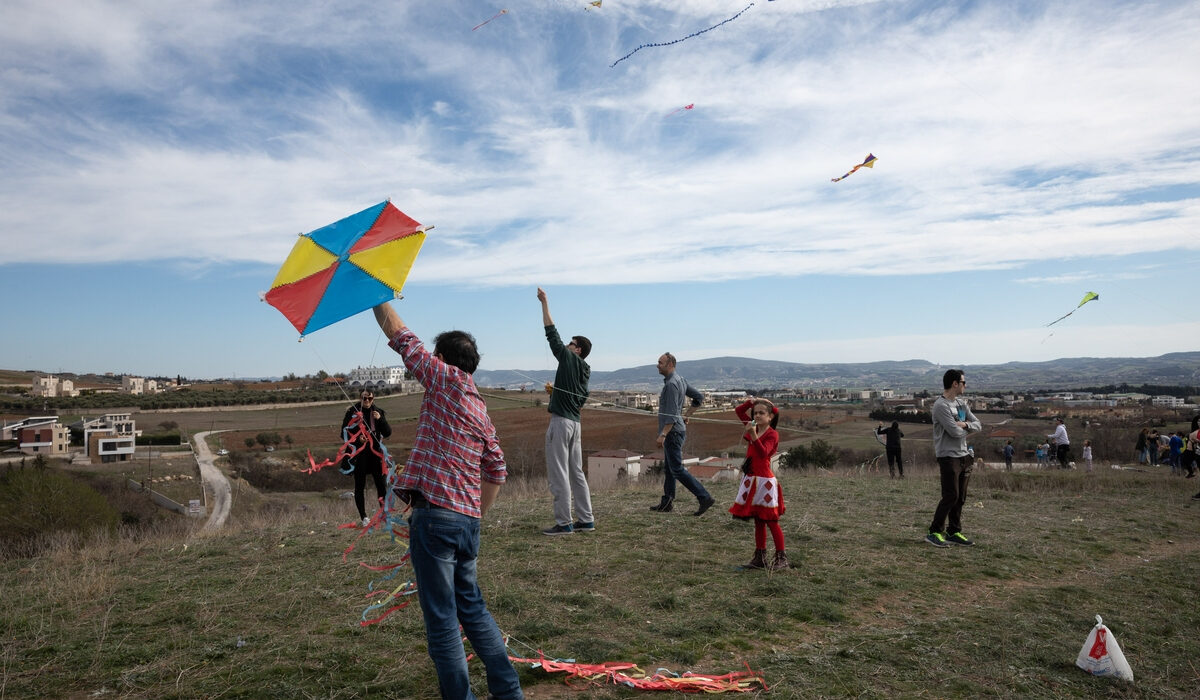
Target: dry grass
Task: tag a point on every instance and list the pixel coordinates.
(869, 611)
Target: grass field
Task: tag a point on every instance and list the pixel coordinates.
(267, 608)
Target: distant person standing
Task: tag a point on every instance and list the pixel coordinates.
(1191, 450)
(1062, 443)
(894, 456)
(369, 460)
(1008, 455)
(1194, 440)
(952, 422)
(564, 436)
(1174, 452)
(1152, 447)
(759, 497)
(1087, 455)
(1139, 447)
(672, 430)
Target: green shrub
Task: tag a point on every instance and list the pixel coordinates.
(37, 501)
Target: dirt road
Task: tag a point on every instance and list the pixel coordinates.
(214, 482)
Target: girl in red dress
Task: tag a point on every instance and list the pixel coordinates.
(759, 497)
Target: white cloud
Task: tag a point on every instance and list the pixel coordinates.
(232, 129)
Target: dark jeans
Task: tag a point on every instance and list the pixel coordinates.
(956, 472)
(360, 487)
(1063, 452)
(673, 469)
(894, 457)
(444, 545)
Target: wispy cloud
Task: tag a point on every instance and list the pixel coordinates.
(217, 132)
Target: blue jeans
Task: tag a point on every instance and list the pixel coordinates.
(673, 469)
(444, 545)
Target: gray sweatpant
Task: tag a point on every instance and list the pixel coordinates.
(564, 471)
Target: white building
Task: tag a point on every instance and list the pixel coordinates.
(111, 437)
(133, 385)
(1167, 401)
(374, 377)
(51, 386)
(611, 467)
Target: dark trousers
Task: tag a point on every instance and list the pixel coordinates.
(895, 461)
(1064, 456)
(360, 486)
(956, 472)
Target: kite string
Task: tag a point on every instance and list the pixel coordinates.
(676, 41)
(611, 407)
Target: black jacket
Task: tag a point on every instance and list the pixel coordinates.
(379, 430)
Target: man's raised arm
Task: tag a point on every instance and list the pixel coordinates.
(546, 320)
(389, 321)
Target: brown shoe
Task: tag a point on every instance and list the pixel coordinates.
(759, 561)
(780, 563)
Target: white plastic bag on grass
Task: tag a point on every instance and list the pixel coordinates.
(1101, 655)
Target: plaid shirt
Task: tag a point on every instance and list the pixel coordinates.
(456, 442)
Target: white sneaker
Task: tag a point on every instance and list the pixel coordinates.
(366, 522)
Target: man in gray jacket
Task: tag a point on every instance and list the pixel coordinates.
(952, 422)
(672, 431)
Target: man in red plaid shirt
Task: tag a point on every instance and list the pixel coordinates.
(452, 477)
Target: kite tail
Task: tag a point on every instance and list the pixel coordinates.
(676, 41)
(631, 676)
(501, 12)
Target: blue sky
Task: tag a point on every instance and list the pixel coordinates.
(157, 160)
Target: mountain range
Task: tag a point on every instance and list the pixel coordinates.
(1173, 369)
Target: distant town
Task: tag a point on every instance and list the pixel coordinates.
(113, 435)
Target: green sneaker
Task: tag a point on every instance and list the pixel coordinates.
(936, 539)
(959, 539)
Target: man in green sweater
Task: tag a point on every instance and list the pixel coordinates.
(564, 437)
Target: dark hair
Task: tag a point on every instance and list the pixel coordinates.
(774, 412)
(1196, 422)
(457, 348)
(951, 376)
(584, 345)
(670, 358)
(895, 424)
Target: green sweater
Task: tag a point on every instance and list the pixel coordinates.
(570, 381)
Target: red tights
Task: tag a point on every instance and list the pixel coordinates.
(760, 534)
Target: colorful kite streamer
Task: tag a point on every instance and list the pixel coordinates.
(680, 109)
(689, 36)
(501, 12)
(868, 163)
(388, 519)
(629, 675)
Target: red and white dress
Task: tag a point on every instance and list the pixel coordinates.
(759, 495)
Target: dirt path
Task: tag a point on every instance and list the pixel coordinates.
(214, 481)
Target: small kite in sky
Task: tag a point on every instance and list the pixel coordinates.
(676, 41)
(346, 267)
(501, 12)
(680, 109)
(1090, 296)
(593, 3)
(868, 163)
